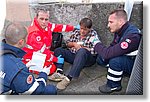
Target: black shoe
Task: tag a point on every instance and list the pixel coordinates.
(106, 89)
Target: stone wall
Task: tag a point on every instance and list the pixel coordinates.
(72, 13)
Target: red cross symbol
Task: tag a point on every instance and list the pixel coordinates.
(124, 45)
(29, 79)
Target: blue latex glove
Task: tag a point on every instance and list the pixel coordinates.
(77, 27)
(60, 60)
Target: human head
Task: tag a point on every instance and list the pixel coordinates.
(116, 20)
(85, 26)
(42, 16)
(15, 35)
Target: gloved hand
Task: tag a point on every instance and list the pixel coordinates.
(77, 27)
(95, 40)
(29, 64)
(47, 69)
(60, 60)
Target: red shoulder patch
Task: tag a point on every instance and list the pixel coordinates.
(38, 38)
(124, 45)
(29, 79)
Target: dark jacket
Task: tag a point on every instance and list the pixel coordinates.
(16, 78)
(126, 40)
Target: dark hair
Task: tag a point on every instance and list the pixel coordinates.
(41, 10)
(86, 22)
(120, 13)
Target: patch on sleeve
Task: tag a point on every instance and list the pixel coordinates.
(124, 45)
(128, 40)
(29, 79)
(38, 38)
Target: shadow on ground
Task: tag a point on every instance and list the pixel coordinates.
(89, 81)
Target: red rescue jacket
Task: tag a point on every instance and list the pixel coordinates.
(40, 40)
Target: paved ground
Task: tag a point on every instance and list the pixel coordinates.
(89, 81)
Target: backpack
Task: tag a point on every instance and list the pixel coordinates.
(56, 40)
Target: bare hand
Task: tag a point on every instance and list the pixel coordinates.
(77, 46)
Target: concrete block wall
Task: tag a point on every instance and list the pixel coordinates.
(72, 13)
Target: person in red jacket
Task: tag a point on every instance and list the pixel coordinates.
(40, 39)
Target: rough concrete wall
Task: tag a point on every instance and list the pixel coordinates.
(100, 16)
(71, 13)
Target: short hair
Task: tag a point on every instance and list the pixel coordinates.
(15, 32)
(120, 14)
(86, 22)
(45, 10)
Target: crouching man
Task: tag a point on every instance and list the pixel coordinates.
(15, 76)
(121, 53)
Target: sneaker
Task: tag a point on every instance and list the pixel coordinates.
(63, 84)
(106, 89)
(107, 66)
(56, 77)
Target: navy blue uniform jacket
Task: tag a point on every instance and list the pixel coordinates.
(125, 41)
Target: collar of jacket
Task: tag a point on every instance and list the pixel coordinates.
(122, 29)
(19, 52)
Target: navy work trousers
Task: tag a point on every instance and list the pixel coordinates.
(117, 64)
(82, 58)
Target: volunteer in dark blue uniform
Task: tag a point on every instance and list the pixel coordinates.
(121, 53)
(15, 76)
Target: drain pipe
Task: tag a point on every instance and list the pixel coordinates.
(135, 84)
(128, 7)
